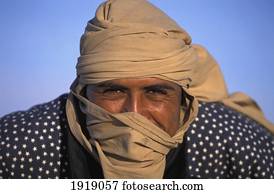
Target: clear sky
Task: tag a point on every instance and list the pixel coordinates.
(39, 45)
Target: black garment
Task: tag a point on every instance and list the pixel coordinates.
(220, 143)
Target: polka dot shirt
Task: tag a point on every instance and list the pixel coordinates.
(220, 143)
(33, 142)
(223, 143)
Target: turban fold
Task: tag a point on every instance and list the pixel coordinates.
(132, 38)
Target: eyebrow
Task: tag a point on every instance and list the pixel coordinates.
(111, 85)
(159, 87)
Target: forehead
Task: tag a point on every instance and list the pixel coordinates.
(137, 83)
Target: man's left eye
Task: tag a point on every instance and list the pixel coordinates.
(157, 91)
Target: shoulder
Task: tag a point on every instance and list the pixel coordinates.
(221, 119)
(46, 114)
(224, 143)
(32, 141)
(36, 111)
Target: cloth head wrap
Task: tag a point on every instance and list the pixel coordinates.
(132, 38)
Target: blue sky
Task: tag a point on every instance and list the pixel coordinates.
(40, 45)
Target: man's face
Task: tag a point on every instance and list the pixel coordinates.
(157, 100)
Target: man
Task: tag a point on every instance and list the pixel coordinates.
(146, 103)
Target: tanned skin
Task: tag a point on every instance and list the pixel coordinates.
(156, 99)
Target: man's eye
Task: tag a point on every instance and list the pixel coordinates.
(113, 92)
(157, 92)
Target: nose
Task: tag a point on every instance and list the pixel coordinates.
(139, 104)
(134, 103)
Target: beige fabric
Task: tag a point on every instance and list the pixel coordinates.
(128, 145)
(132, 38)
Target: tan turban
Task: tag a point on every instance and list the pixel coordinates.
(132, 38)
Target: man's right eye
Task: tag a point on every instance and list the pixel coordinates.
(112, 91)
